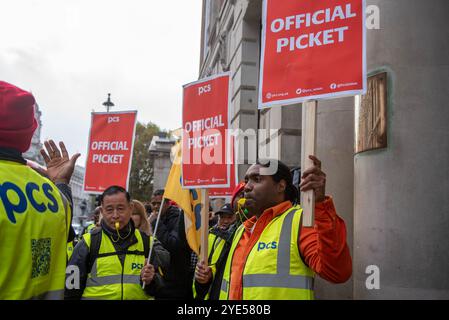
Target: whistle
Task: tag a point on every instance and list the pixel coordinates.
(241, 203)
(117, 225)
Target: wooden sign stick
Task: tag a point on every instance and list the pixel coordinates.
(309, 109)
(204, 224)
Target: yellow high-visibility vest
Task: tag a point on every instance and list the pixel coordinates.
(34, 224)
(274, 269)
(90, 227)
(108, 279)
(215, 247)
(69, 250)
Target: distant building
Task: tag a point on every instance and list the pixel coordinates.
(33, 153)
(83, 203)
(160, 149)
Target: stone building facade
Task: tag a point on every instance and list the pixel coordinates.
(83, 203)
(160, 149)
(33, 153)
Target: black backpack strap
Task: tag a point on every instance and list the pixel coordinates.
(95, 242)
(146, 244)
(119, 253)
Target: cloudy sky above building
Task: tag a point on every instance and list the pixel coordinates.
(70, 54)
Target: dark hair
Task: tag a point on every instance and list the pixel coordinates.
(114, 190)
(282, 173)
(148, 208)
(158, 192)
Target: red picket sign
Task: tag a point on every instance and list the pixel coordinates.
(109, 156)
(205, 120)
(227, 192)
(312, 50)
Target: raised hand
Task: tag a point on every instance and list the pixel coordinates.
(314, 178)
(59, 166)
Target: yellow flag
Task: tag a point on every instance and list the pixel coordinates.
(188, 199)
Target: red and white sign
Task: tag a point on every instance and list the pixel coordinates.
(312, 50)
(205, 120)
(110, 149)
(227, 192)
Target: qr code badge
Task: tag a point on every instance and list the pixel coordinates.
(41, 254)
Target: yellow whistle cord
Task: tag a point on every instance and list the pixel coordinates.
(117, 228)
(242, 211)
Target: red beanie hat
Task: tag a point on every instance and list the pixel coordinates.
(238, 188)
(17, 122)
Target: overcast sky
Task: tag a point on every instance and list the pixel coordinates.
(71, 53)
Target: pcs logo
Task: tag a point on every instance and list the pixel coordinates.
(138, 266)
(113, 119)
(17, 199)
(267, 246)
(204, 89)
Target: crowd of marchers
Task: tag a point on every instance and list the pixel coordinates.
(258, 247)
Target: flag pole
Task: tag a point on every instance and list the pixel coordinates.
(204, 224)
(154, 234)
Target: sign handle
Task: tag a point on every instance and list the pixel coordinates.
(309, 110)
(154, 234)
(204, 224)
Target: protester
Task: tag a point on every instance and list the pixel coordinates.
(35, 211)
(112, 259)
(208, 288)
(213, 218)
(208, 277)
(260, 264)
(96, 220)
(171, 233)
(139, 217)
(156, 202)
(226, 217)
(148, 209)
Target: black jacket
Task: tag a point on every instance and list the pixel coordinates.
(82, 259)
(171, 233)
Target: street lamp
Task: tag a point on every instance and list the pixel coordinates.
(108, 104)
